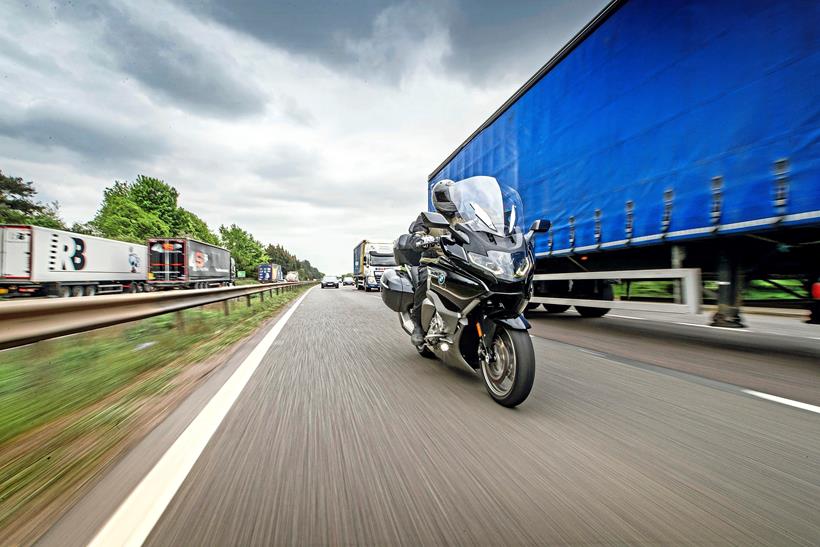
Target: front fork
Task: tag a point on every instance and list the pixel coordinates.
(485, 328)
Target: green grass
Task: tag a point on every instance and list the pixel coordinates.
(86, 392)
(46, 380)
(756, 289)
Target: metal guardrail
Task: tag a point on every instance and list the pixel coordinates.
(689, 277)
(26, 322)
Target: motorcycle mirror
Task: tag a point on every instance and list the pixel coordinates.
(540, 226)
(434, 220)
(459, 236)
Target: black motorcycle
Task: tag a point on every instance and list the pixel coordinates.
(478, 286)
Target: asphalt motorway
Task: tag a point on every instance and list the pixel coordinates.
(345, 435)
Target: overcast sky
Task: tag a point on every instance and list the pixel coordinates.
(313, 124)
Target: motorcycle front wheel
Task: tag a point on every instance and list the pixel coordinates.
(509, 377)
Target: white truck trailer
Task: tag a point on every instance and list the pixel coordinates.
(370, 260)
(36, 261)
(292, 277)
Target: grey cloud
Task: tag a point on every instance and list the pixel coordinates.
(13, 50)
(373, 39)
(491, 38)
(287, 163)
(315, 28)
(171, 64)
(95, 140)
(488, 38)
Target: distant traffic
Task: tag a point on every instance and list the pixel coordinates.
(37, 261)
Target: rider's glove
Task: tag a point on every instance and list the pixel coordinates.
(425, 242)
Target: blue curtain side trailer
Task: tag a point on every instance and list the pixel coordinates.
(683, 133)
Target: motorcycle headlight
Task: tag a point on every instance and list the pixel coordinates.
(487, 262)
(523, 266)
(503, 264)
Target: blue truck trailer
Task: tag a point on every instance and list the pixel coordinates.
(682, 134)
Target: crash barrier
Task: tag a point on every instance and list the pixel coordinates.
(691, 296)
(26, 322)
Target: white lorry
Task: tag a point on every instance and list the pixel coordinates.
(292, 277)
(370, 260)
(40, 261)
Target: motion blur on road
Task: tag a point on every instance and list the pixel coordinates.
(345, 435)
(616, 204)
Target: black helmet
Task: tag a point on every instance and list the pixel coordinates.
(442, 194)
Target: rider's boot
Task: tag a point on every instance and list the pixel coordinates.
(418, 333)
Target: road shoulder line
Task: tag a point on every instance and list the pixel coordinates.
(134, 519)
(783, 400)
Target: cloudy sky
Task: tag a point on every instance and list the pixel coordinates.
(313, 124)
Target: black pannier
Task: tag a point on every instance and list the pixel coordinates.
(396, 290)
(404, 253)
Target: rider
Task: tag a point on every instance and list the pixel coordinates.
(422, 239)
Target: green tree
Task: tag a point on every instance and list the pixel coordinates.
(154, 196)
(279, 255)
(121, 218)
(48, 217)
(245, 249)
(86, 228)
(188, 224)
(18, 206)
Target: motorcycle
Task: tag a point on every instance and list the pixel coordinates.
(478, 286)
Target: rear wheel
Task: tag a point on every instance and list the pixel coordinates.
(64, 292)
(77, 290)
(555, 308)
(510, 375)
(90, 290)
(533, 306)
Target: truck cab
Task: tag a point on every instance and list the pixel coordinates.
(371, 259)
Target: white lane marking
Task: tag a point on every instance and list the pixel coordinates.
(730, 329)
(135, 518)
(625, 317)
(781, 400)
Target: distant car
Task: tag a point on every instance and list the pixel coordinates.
(347, 281)
(330, 281)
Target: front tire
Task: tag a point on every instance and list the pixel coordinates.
(510, 377)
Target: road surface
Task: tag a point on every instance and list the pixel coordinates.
(344, 435)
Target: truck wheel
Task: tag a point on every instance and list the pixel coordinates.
(555, 308)
(77, 290)
(591, 312)
(604, 294)
(90, 290)
(64, 292)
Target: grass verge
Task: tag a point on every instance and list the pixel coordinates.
(755, 290)
(70, 406)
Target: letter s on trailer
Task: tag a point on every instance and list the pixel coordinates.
(47, 262)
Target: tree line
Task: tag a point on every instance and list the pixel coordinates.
(135, 211)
